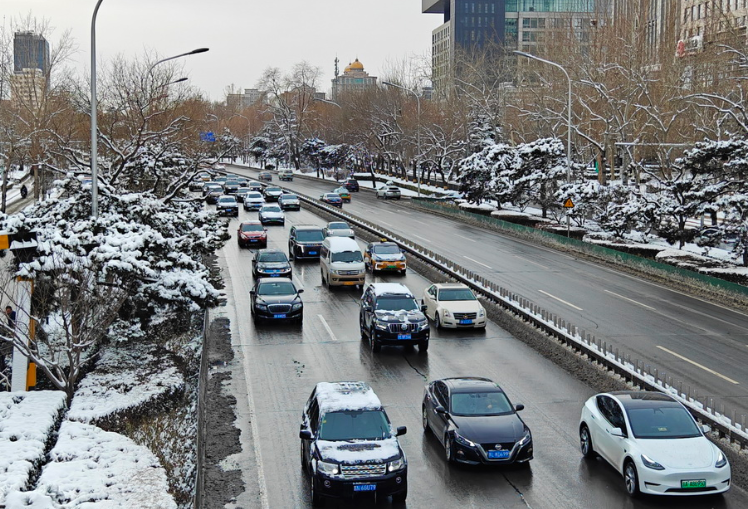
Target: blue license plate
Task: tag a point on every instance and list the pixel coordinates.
(403, 336)
(253, 240)
(364, 487)
(462, 322)
(279, 316)
(312, 252)
(274, 275)
(498, 455)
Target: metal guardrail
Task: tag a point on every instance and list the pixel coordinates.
(639, 373)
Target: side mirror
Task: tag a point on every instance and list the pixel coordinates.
(401, 430)
(305, 434)
(423, 308)
(706, 429)
(367, 308)
(440, 410)
(616, 432)
(251, 292)
(300, 290)
(518, 407)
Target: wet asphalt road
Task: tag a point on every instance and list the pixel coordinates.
(699, 343)
(277, 367)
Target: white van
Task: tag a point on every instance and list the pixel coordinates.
(341, 262)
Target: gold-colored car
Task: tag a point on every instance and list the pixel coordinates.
(385, 256)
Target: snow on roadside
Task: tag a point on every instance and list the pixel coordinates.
(125, 378)
(26, 422)
(91, 467)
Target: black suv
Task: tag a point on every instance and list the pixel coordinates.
(270, 263)
(351, 185)
(390, 315)
(276, 299)
(305, 241)
(348, 446)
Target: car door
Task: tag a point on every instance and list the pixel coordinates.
(291, 241)
(607, 445)
(429, 299)
(367, 256)
(367, 300)
(309, 422)
(439, 422)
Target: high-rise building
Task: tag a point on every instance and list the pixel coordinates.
(353, 79)
(30, 51)
(511, 24)
(250, 97)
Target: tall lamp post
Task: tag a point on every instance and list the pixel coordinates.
(94, 107)
(418, 132)
(568, 122)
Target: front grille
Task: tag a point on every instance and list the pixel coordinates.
(507, 446)
(364, 470)
(399, 328)
(691, 490)
(466, 316)
(279, 308)
(349, 272)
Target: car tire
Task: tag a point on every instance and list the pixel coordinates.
(304, 466)
(631, 478)
(290, 254)
(448, 449)
(399, 498)
(316, 499)
(423, 346)
(402, 273)
(425, 419)
(362, 328)
(585, 442)
(375, 346)
(437, 320)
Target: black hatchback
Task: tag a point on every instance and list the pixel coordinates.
(475, 422)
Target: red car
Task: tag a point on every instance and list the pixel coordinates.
(252, 233)
(333, 199)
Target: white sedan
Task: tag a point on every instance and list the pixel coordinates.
(453, 305)
(388, 192)
(654, 442)
(338, 229)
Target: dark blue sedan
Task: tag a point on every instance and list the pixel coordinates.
(333, 199)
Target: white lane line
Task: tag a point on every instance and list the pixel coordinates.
(530, 261)
(419, 222)
(386, 224)
(422, 238)
(561, 300)
(723, 377)
(630, 300)
(403, 212)
(327, 327)
(466, 238)
(476, 261)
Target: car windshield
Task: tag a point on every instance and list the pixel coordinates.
(271, 208)
(273, 190)
(289, 197)
(333, 197)
(338, 226)
(480, 403)
(310, 236)
(385, 250)
(456, 294)
(396, 303)
(254, 196)
(272, 256)
(354, 425)
(347, 256)
(341, 190)
(227, 201)
(276, 288)
(662, 422)
(252, 228)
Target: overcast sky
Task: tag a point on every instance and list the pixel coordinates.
(244, 36)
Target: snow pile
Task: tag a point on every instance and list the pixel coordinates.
(91, 467)
(26, 422)
(125, 379)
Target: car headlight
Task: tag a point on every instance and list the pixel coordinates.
(481, 313)
(650, 463)
(447, 314)
(334, 271)
(525, 439)
(423, 325)
(261, 307)
(296, 306)
(721, 460)
(328, 468)
(462, 440)
(380, 325)
(398, 464)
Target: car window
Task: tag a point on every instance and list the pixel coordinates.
(456, 294)
(612, 412)
(272, 256)
(310, 235)
(432, 291)
(480, 403)
(662, 422)
(440, 391)
(385, 249)
(252, 228)
(338, 226)
(396, 303)
(347, 256)
(254, 195)
(354, 425)
(276, 288)
(271, 208)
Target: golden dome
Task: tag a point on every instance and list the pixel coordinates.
(356, 66)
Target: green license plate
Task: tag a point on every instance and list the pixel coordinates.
(693, 483)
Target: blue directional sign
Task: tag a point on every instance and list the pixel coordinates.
(208, 136)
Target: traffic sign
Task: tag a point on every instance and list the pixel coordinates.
(568, 204)
(208, 136)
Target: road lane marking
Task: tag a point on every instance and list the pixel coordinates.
(463, 237)
(561, 300)
(422, 238)
(723, 377)
(630, 300)
(530, 261)
(386, 224)
(327, 327)
(476, 261)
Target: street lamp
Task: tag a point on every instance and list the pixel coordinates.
(319, 99)
(94, 106)
(568, 123)
(418, 132)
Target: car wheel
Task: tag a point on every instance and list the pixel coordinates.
(316, 499)
(437, 320)
(399, 498)
(362, 328)
(631, 478)
(290, 254)
(425, 419)
(448, 449)
(373, 343)
(585, 442)
(423, 346)
(304, 467)
(402, 272)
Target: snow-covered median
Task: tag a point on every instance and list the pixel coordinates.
(26, 423)
(91, 468)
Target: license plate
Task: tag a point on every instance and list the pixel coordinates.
(364, 487)
(253, 240)
(349, 283)
(498, 455)
(279, 316)
(465, 321)
(391, 266)
(403, 336)
(312, 252)
(693, 483)
(274, 275)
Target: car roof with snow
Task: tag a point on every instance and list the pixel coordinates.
(340, 396)
(338, 244)
(390, 289)
(442, 286)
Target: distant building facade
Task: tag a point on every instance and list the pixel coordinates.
(248, 98)
(30, 51)
(353, 79)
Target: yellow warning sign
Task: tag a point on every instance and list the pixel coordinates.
(568, 204)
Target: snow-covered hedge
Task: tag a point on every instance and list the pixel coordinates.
(91, 467)
(27, 421)
(125, 379)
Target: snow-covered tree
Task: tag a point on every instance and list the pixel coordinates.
(542, 166)
(312, 149)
